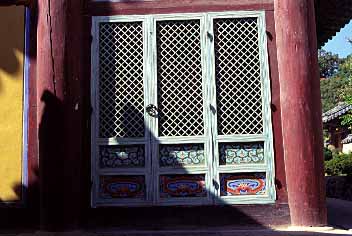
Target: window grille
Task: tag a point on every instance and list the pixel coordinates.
(238, 81)
(180, 78)
(121, 97)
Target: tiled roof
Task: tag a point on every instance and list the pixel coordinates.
(336, 112)
(347, 140)
(331, 16)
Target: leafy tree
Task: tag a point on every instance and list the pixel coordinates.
(328, 63)
(331, 91)
(327, 154)
(340, 164)
(345, 71)
(345, 68)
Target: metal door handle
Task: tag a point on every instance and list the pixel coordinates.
(152, 110)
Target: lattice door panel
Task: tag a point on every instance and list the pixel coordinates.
(179, 75)
(182, 107)
(121, 96)
(238, 80)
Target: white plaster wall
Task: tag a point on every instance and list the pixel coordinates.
(346, 148)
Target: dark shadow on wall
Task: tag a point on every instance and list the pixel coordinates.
(210, 220)
(46, 202)
(13, 31)
(221, 216)
(52, 157)
(22, 215)
(12, 41)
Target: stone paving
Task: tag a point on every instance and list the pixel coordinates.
(329, 231)
(340, 213)
(339, 217)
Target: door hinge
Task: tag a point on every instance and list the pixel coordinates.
(216, 184)
(90, 109)
(210, 36)
(91, 185)
(91, 38)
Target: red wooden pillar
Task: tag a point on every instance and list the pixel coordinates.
(301, 110)
(59, 98)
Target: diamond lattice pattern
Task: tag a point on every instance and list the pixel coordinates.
(238, 81)
(180, 96)
(121, 98)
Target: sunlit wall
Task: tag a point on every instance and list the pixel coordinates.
(11, 101)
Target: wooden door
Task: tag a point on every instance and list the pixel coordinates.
(181, 110)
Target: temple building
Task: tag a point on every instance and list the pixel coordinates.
(340, 136)
(161, 114)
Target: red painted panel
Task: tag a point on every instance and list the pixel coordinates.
(14, 2)
(172, 186)
(171, 6)
(242, 184)
(122, 187)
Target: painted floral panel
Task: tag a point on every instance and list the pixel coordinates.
(179, 186)
(111, 187)
(122, 156)
(243, 184)
(241, 153)
(181, 155)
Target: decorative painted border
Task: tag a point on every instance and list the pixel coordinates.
(242, 184)
(181, 155)
(241, 153)
(117, 187)
(182, 186)
(123, 156)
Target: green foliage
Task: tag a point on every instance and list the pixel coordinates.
(328, 63)
(333, 167)
(346, 120)
(340, 164)
(331, 91)
(345, 68)
(338, 86)
(327, 154)
(345, 71)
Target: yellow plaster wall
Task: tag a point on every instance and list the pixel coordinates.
(11, 101)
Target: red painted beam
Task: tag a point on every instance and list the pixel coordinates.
(301, 110)
(14, 2)
(170, 6)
